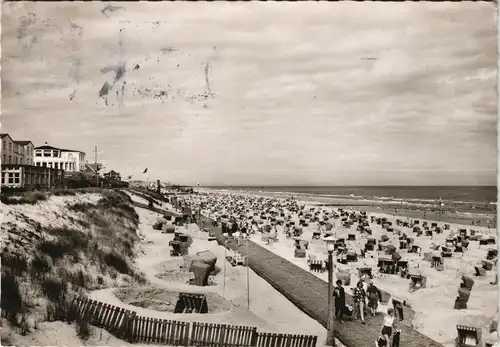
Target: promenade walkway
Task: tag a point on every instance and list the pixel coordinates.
(310, 294)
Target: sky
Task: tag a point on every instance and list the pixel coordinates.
(259, 93)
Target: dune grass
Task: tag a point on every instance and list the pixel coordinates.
(41, 274)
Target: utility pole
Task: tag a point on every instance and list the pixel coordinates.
(96, 166)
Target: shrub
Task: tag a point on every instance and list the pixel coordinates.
(11, 300)
(140, 278)
(54, 289)
(116, 262)
(40, 265)
(34, 197)
(81, 207)
(65, 192)
(74, 238)
(15, 262)
(62, 309)
(70, 243)
(79, 279)
(24, 325)
(54, 249)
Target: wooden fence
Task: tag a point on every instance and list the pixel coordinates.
(221, 335)
(285, 340)
(153, 330)
(126, 325)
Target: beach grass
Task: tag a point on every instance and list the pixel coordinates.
(45, 265)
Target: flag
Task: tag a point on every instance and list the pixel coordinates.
(146, 170)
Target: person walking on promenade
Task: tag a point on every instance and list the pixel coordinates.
(359, 301)
(387, 327)
(339, 294)
(373, 298)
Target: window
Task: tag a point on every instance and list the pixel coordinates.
(10, 159)
(3, 145)
(10, 146)
(10, 178)
(47, 153)
(38, 153)
(4, 159)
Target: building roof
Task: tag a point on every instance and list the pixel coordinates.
(46, 146)
(23, 142)
(4, 135)
(93, 167)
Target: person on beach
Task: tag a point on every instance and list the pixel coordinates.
(234, 227)
(339, 294)
(436, 259)
(388, 325)
(373, 298)
(359, 301)
(396, 337)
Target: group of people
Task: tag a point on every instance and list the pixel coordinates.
(390, 334)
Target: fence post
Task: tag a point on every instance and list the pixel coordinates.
(222, 335)
(314, 340)
(128, 326)
(255, 336)
(190, 333)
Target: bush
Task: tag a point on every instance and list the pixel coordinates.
(34, 197)
(40, 265)
(11, 300)
(54, 249)
(117, 262)
(62, 309)
(72, 241)
(65, 192)
(15, 262)
(81, 207)
(74, 238)
(54, 289)
(23, 198)
(79, 279)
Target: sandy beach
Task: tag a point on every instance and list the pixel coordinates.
(268, 309)
(432, 305)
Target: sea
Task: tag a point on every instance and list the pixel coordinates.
(482, 197)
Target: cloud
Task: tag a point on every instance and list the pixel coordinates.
(287, 96)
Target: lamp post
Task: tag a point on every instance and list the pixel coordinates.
(224, 235)
(330, 338)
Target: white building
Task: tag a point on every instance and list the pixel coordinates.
(58, 158)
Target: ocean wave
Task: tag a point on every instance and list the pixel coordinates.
(375, 198)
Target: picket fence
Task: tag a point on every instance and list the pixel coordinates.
(126, 325)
